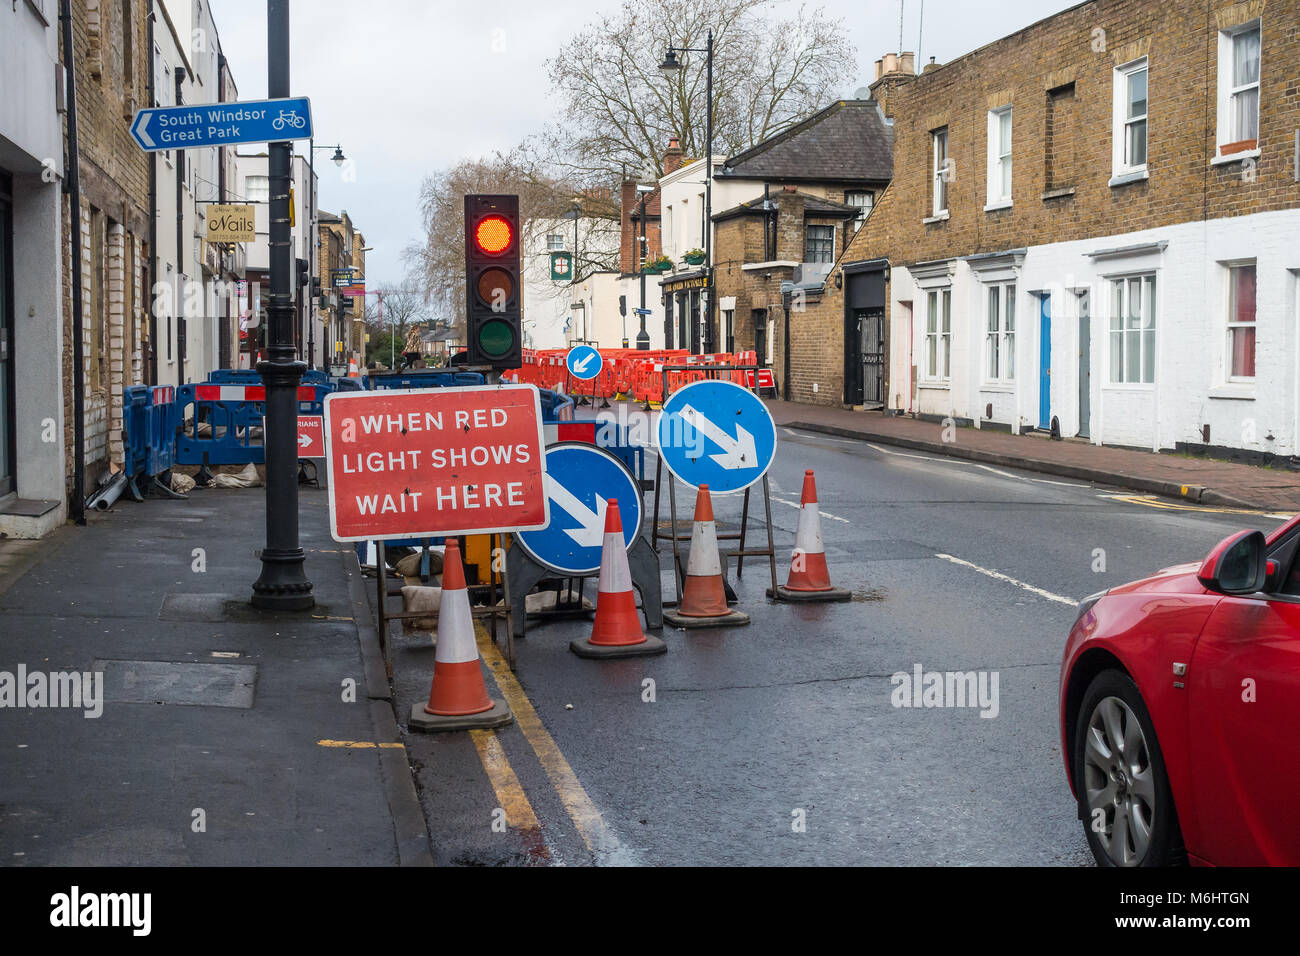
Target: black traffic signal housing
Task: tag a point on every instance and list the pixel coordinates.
(494, 293)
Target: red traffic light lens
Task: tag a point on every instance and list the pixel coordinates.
(493, 234)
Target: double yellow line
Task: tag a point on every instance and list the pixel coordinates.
(519, 812)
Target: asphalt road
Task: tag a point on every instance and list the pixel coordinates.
(779, 743)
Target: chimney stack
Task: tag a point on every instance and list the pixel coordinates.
(672, 157)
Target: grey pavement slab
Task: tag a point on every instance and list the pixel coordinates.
(208, 747)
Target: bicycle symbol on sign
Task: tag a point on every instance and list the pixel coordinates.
(290, 118)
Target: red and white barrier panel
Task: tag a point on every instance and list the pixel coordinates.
(245, 393)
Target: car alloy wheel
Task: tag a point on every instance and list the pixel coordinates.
(1119, 781)
(1125, 801)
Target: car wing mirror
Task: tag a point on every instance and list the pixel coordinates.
(1237, 565)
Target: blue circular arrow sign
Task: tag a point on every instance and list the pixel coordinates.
(580, 479)
(718, 434)
(584, 362)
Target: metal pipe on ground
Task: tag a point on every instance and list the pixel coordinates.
(106, 496)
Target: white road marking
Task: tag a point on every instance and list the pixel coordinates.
(1004, 474)
(824, 514)
(998, 575)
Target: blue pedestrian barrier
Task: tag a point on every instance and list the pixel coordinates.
(150, 435)
(249, 376)
(226, 425)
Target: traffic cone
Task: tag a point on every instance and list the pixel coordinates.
(458, 698)
(810, 580)
(704, 598)
(617, 630)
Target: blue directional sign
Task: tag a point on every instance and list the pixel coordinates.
(580, 480)
(222, 124)
(584, 362)
(716, 433)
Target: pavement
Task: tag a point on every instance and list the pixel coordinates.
(227, 736)
(1180, 476)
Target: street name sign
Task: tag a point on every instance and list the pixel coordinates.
(436, 462)
(580, 480)
(311, 436)
(230, 223)
(222, 124)
(716, 433)
(584, 362)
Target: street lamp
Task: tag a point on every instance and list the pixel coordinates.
(314, 241)
(671, 65)
(642, 337)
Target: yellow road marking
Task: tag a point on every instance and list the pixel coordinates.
(510, 795)
(1151, 502)
(591, 826)
(359, 745)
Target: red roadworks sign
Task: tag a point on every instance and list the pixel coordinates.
(435, 462)
(311, 436)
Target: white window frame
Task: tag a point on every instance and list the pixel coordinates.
(1228, 91)
(1000, 333)
(1121, 121)
(866, 206)
(1231, 323)
(257, 197)
(999, 157)
(939, 171)
(938, 340)
(1147, 342)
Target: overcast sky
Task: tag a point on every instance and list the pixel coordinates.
(410, 86)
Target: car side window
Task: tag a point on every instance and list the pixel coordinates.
(1287, 555)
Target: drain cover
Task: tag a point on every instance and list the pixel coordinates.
(166, 682)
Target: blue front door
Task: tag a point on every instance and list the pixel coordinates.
(1045, 365)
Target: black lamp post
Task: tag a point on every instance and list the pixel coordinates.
(643, 337)
(670, 65)
(283, 584)
(313, 243)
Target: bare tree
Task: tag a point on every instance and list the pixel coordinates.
(619, 109)
(544, 200)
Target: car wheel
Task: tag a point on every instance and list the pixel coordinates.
(1125, 802)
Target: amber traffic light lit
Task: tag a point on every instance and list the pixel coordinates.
(493, 235)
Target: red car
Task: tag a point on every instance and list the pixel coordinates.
(1180, 710)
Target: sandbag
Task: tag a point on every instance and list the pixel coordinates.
(421, 600)
(248, 478)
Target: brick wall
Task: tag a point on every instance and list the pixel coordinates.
(111, 62)
(1063, 140)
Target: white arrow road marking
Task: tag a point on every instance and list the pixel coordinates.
(1059, 599)
(580, 365)
(591, 534)
(738, 452)
(142, 129)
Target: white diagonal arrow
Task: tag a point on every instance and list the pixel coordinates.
(142, 128)
(591, 534)
(580, 365)
(737, 453)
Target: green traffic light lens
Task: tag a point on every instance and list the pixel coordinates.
(496, 338)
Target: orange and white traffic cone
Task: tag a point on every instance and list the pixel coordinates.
(617, 629)
(704, 598)
(810, 579)
(458, 698)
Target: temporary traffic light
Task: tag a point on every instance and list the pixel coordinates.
(494, 286)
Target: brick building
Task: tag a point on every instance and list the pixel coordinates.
(111, 58)
(1091, 228)
(807, 192)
